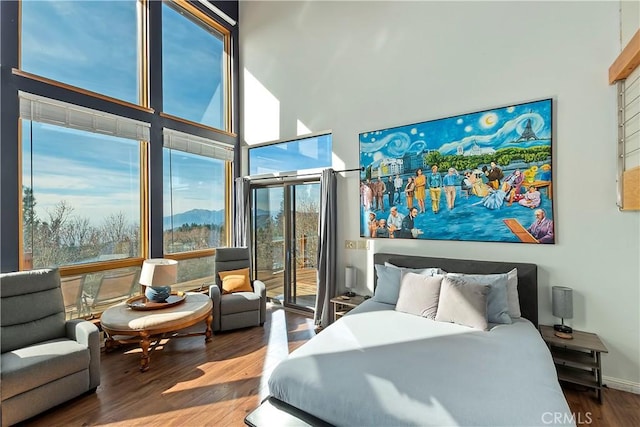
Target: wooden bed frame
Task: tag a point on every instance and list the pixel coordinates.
(274, 412)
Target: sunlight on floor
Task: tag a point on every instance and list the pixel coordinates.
(277, 348)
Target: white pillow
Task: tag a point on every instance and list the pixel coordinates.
(512, 294)
(463, 302)
(419, 295)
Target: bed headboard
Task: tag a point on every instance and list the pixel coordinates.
(527, 274)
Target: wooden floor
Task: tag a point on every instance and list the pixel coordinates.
(191, 383)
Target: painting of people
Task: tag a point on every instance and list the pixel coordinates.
(482, 176)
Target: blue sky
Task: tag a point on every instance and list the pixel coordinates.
(271, 198)
(93, 45)
(89, 44)
(496, 128)
(307, 153)
(198, 182)
(98, 174)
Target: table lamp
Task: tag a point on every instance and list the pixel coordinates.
(157, 276)
(350, 280)
(562, 302)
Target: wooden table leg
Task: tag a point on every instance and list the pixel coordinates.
(109, 343)
(208, 333)
(144, 345)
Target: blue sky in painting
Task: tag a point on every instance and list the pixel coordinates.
(496, 128)
(93, 45)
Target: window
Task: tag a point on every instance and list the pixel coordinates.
(81, 189)
(85, 172)
(194, 86)
(87, 44)
(306, 153)
(194, 192)
(195, 274)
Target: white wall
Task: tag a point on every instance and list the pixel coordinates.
(629, 20)
(358, 66)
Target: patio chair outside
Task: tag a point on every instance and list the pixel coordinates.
(113, 287)
(72, 290)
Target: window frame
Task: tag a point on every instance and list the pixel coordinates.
(298, 138)
(142, 62)
(228, 178)
(143, 111)
(91, 267)
(191, 12)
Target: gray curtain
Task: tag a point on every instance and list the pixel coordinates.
(327, 247)
(242, 218)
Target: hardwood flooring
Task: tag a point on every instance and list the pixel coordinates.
(191, 383)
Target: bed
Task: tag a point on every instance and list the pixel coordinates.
(379, 366)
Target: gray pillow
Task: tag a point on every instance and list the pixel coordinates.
(419, 295)
(463, 302)
(512, 288)
(387, 285)
(497, 300)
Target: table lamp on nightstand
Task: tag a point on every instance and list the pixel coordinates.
(350, 280)
(562, 302)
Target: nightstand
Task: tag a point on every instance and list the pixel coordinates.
(578, 360)
(342, 306)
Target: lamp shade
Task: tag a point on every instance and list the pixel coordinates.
(159, 272)
(350, 277)
(562, 302)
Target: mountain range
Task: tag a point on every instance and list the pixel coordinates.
(194, 216)
(205, 216)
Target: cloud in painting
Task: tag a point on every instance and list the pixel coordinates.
(505, 136)
(395, 144)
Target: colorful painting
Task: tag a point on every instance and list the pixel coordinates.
(484, 176)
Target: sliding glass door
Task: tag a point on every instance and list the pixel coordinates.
(285, 241)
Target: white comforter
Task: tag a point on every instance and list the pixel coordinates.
(386, 368)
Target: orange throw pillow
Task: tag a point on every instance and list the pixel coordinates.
(235, 281)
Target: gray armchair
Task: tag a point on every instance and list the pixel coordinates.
(45, 360)
(239, 309)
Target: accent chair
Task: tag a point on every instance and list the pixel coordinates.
(45, 360)
(238, 309)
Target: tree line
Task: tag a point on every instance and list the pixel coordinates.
(62, 237)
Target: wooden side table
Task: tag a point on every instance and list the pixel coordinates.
(578, 360)
(341, 305)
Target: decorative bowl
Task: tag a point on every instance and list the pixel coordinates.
(157, 293)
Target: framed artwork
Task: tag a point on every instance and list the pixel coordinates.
(483, 176)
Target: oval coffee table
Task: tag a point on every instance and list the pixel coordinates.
(120, 322)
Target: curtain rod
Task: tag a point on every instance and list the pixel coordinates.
(303, 174)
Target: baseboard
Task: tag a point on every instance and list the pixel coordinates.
(623, 385)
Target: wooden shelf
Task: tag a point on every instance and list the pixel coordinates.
(343, 306)
(577, 376)
(627, 61)
(577, 360)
